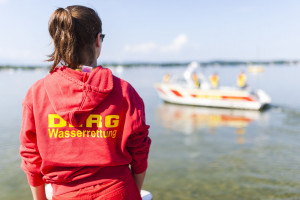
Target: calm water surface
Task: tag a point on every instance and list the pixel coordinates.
(197, 153)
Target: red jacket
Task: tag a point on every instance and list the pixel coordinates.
(81, 128)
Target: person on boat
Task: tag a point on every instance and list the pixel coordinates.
(214, 80)
(83, 129)
(166, 78)
(241, 80)
(195, 80)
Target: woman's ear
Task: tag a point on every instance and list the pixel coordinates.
(98, 40)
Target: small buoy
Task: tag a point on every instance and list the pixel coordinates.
(146, 195)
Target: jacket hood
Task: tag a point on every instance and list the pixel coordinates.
(74, 94)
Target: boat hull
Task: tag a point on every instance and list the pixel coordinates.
(222, 97)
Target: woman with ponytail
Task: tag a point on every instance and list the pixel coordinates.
(83, 129)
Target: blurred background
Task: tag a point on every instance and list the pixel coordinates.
(197, 152)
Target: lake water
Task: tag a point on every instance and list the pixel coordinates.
(197, 153)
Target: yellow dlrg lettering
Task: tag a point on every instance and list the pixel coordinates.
(51, 121)
(111, 121)
(94, 119)
(70, 125)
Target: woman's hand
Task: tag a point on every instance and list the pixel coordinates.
(38, 192)
(139, 179)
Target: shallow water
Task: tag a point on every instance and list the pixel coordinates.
(197, 153)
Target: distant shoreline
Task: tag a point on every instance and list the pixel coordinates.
(169, 64)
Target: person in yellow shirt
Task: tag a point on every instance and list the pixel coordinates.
(196, 80)
(214, 80)
(241, 81)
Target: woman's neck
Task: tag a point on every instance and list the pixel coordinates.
(94, 64)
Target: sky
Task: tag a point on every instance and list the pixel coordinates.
(160, 30)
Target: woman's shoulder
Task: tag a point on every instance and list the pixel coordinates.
(128, 91)
(36, 89)
(39, 84)
(124, 85)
